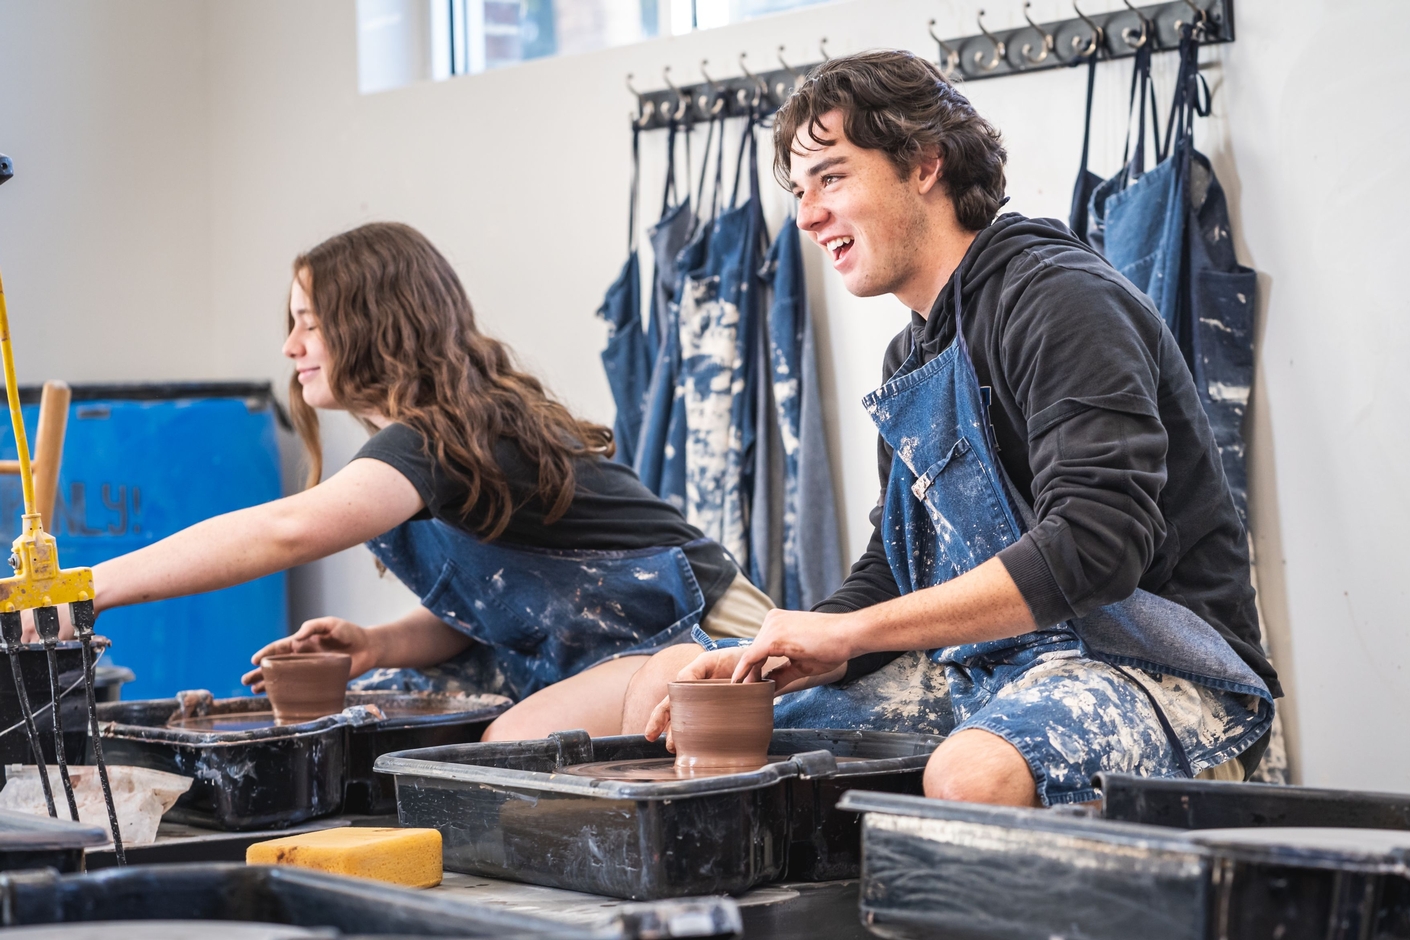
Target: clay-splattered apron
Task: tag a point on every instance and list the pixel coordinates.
(537, 616)
(719, 338)
(949, 507)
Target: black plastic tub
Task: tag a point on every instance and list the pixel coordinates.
(41, 842)
(1207, 804)
(932, 868)
(504, 811)
(350, 906)
(275, 777)
(34, 666)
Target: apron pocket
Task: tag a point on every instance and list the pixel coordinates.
(965, 491)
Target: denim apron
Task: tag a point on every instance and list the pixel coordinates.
(537, 616)
(719, 340)
(811, 556)
(949, 507)
(661, 450)
(1169, 234)
(627, 357)
(1133, 163)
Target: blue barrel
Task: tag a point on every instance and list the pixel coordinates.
(140, 463)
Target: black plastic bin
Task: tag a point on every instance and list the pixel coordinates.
(41, 842)
(932, 868)
(504, 811)
(350, 906)
(275, 777)
(1208, 804)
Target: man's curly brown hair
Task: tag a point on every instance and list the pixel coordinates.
(900, 104)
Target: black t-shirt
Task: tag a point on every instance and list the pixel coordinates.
(1099, 424)
(611, 510)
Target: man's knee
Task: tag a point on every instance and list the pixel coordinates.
(975, 766)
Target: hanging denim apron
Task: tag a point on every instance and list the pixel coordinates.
(627, 358)
(949, 507)
(661, 450)
(537, 616)
(812, 554)
(1133, 163)
(718, 330)
(1170, 235)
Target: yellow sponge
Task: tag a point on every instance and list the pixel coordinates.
(410, 857)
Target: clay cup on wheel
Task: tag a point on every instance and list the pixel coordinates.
(305, 686)
(721, 727)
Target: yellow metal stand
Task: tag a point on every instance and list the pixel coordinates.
(40, 585)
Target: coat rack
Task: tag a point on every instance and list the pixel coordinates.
(1034, 47)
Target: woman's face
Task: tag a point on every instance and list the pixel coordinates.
(305, 347)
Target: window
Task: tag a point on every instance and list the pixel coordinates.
(405, 41)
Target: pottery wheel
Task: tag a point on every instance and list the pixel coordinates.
(652, 769)
(254, 720)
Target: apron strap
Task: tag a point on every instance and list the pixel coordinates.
(670, 192)
(744, 140)
(1087, 122)
(636, 188)
(704, 172)
(1181, 757)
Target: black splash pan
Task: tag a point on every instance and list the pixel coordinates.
(250, 774)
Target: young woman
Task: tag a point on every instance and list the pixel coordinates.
(547, 572)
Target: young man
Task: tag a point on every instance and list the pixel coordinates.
(1054, 534)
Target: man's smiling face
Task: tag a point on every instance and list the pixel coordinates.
(868, 217)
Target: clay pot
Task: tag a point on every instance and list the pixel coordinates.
(720, 727)
(305, 686)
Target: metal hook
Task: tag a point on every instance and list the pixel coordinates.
(760, 87)
(822, 48)
(1000, 50)
(1145, 28)
(798, 78)
(644, 108)
(716, 94)
(1200, 24)
(684, 98)
(1098, 35)
(1048, 40)
(952, 55)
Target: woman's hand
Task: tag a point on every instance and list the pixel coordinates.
(321, 635)
(816, 648)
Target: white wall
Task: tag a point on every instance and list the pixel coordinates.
(520, 176)
(105, 229)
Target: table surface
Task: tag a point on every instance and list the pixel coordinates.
(803, 911)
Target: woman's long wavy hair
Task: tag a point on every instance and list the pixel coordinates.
(402, 342)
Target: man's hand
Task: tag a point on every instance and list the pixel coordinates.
(816, 648)
(321, 635)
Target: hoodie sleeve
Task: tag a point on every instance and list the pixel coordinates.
(1078, 355)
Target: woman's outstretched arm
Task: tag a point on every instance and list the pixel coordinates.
(363, 500)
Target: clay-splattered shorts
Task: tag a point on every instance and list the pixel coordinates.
(1072, 717)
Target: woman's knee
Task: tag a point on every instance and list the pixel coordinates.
(975, 766)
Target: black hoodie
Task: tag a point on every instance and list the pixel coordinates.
(1099, 424)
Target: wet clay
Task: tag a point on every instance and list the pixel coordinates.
(721, 727)
(305, 686)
